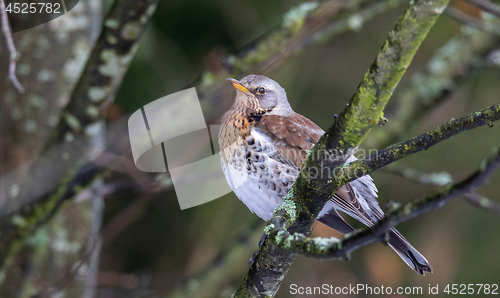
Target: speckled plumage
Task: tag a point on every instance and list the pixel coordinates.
(263, 144)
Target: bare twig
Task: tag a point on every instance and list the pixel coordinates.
(438, 179)
(12, 48)
(482, 202)
(441, 179)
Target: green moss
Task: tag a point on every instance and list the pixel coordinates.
(294, 19)
(280, 237)
(268, 229)
(289, 207)
(288, 242)
(319, 246)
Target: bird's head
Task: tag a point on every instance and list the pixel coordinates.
(258, 92)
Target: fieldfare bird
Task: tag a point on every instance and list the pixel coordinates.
(263, 143)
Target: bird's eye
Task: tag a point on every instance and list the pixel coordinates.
(261, 90)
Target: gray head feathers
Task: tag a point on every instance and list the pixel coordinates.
(269, 94)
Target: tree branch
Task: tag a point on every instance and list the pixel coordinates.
(334, 248)
(306, 198)
(422, 142)
(349, 172)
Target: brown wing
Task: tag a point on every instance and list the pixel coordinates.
(293, 135)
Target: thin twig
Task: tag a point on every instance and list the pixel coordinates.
(12, 48)
(437, 179)
(483, 202)
(441, 179)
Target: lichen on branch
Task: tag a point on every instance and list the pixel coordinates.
(333, 248)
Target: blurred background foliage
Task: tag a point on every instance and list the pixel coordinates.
(150, 247)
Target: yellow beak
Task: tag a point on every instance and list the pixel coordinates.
(237, 85)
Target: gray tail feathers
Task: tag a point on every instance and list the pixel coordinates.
(408, 253)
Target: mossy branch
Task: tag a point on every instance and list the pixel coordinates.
(306, 198)
(105, 68)
(367, 105)
(299, 242)
(422, 142)
(333, 248)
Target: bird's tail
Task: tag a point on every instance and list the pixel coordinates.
(408, 253)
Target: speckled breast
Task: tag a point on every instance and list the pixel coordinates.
(255, 177)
